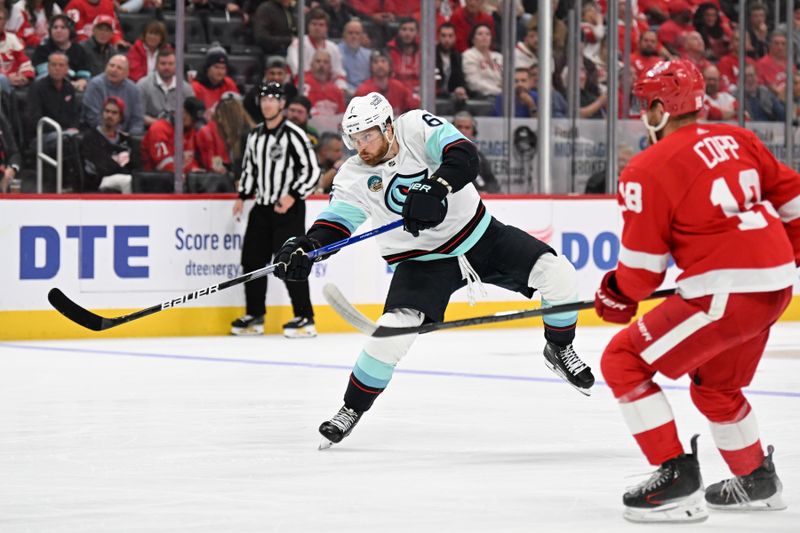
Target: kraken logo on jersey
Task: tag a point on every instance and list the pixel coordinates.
(398, 190)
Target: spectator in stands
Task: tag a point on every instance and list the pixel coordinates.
(639, 25)
(593, 30)
(760, 104)
(399, 95)
(717, 104)
(670, 34)
(381, 12)
(355, 58)
(220, 143)
(527, 50)
(274, 26)
(29, 20)
(275, 70)
(316, 38)
(796, 93)
(796, 32)
(656, 11)
(558, 103)
(339, 14)
(142, 55)
(757, 30)
(525, 105)
(298, 112)
(61, 39)
(159, 88)
(729, 65)
(466, 18)
(326, 97)
(596, 184)
(15, 66)
(647, 56)
(694, 50)
(468, 126)
(716, 36)
(593, 100)
(83, 13)
(99, 48)
(158, 145)
(113, 82)
(771, 68)
(213, 81)
(54, 96)
(450, 81)
(106, 152)
(483, 67)
(405, 54)
(330, 154)
(10, 158)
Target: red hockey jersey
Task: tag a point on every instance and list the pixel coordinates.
(158, 148)
(716, 199)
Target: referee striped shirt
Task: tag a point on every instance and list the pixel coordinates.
(278, 162)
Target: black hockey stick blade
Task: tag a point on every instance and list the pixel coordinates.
(387, 331)
(74, 312)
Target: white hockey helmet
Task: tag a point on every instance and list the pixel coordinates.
(363, 113)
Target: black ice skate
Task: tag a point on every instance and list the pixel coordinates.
(299, 328)
(759, 490)
(338, 427)
(248, 325)
(674, 493)
(566, 364)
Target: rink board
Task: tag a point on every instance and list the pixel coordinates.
(117, 255)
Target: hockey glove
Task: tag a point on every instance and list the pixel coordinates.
(424, 207)
(610, 304)
(292, 259)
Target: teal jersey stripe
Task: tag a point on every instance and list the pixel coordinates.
(464, 247)
(441, 137)
(345, 214)
(559, 320)
(371, 372)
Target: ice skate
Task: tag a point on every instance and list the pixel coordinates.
(338, 427)
(674, 493)
(300, 328)
(759, 490)
(248, 325)
(565, 363)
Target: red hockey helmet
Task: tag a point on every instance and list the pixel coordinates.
(677, 84)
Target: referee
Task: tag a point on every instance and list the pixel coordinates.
(281, 169)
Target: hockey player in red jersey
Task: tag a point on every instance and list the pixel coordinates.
(716, 200)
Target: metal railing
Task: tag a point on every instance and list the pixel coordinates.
(42, 157)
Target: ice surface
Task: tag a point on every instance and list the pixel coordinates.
(219, 435)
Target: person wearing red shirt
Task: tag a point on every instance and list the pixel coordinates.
(220, 143)
(647, 57)
(142, 55)
(326, 97)
(467, 17)
(14, 64)
(83, 13)
(405, 53)
(671, 33)
(158, 144)
(398, 94)
(694, 50)
(213, 81)
(713, 198)
(772, 67)
(729, 65)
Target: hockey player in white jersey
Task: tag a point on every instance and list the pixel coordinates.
(421, 168)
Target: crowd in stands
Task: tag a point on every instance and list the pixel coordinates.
(105, 70)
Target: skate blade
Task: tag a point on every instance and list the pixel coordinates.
(247, 332)
(557, 371)
(299, 334)
(325, 444)
(773, 503)
(687, 510)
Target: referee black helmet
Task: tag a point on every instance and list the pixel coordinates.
(273, 89)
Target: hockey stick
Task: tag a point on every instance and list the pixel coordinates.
(356, 319)
(89, 320)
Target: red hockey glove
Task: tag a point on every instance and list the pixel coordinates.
(610, 304)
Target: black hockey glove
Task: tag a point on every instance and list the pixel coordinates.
(292, 259)
(424, 207)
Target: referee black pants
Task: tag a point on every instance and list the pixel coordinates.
(265, 234)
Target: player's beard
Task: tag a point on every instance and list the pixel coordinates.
(374, 158)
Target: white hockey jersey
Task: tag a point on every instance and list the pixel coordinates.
(361, 191)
